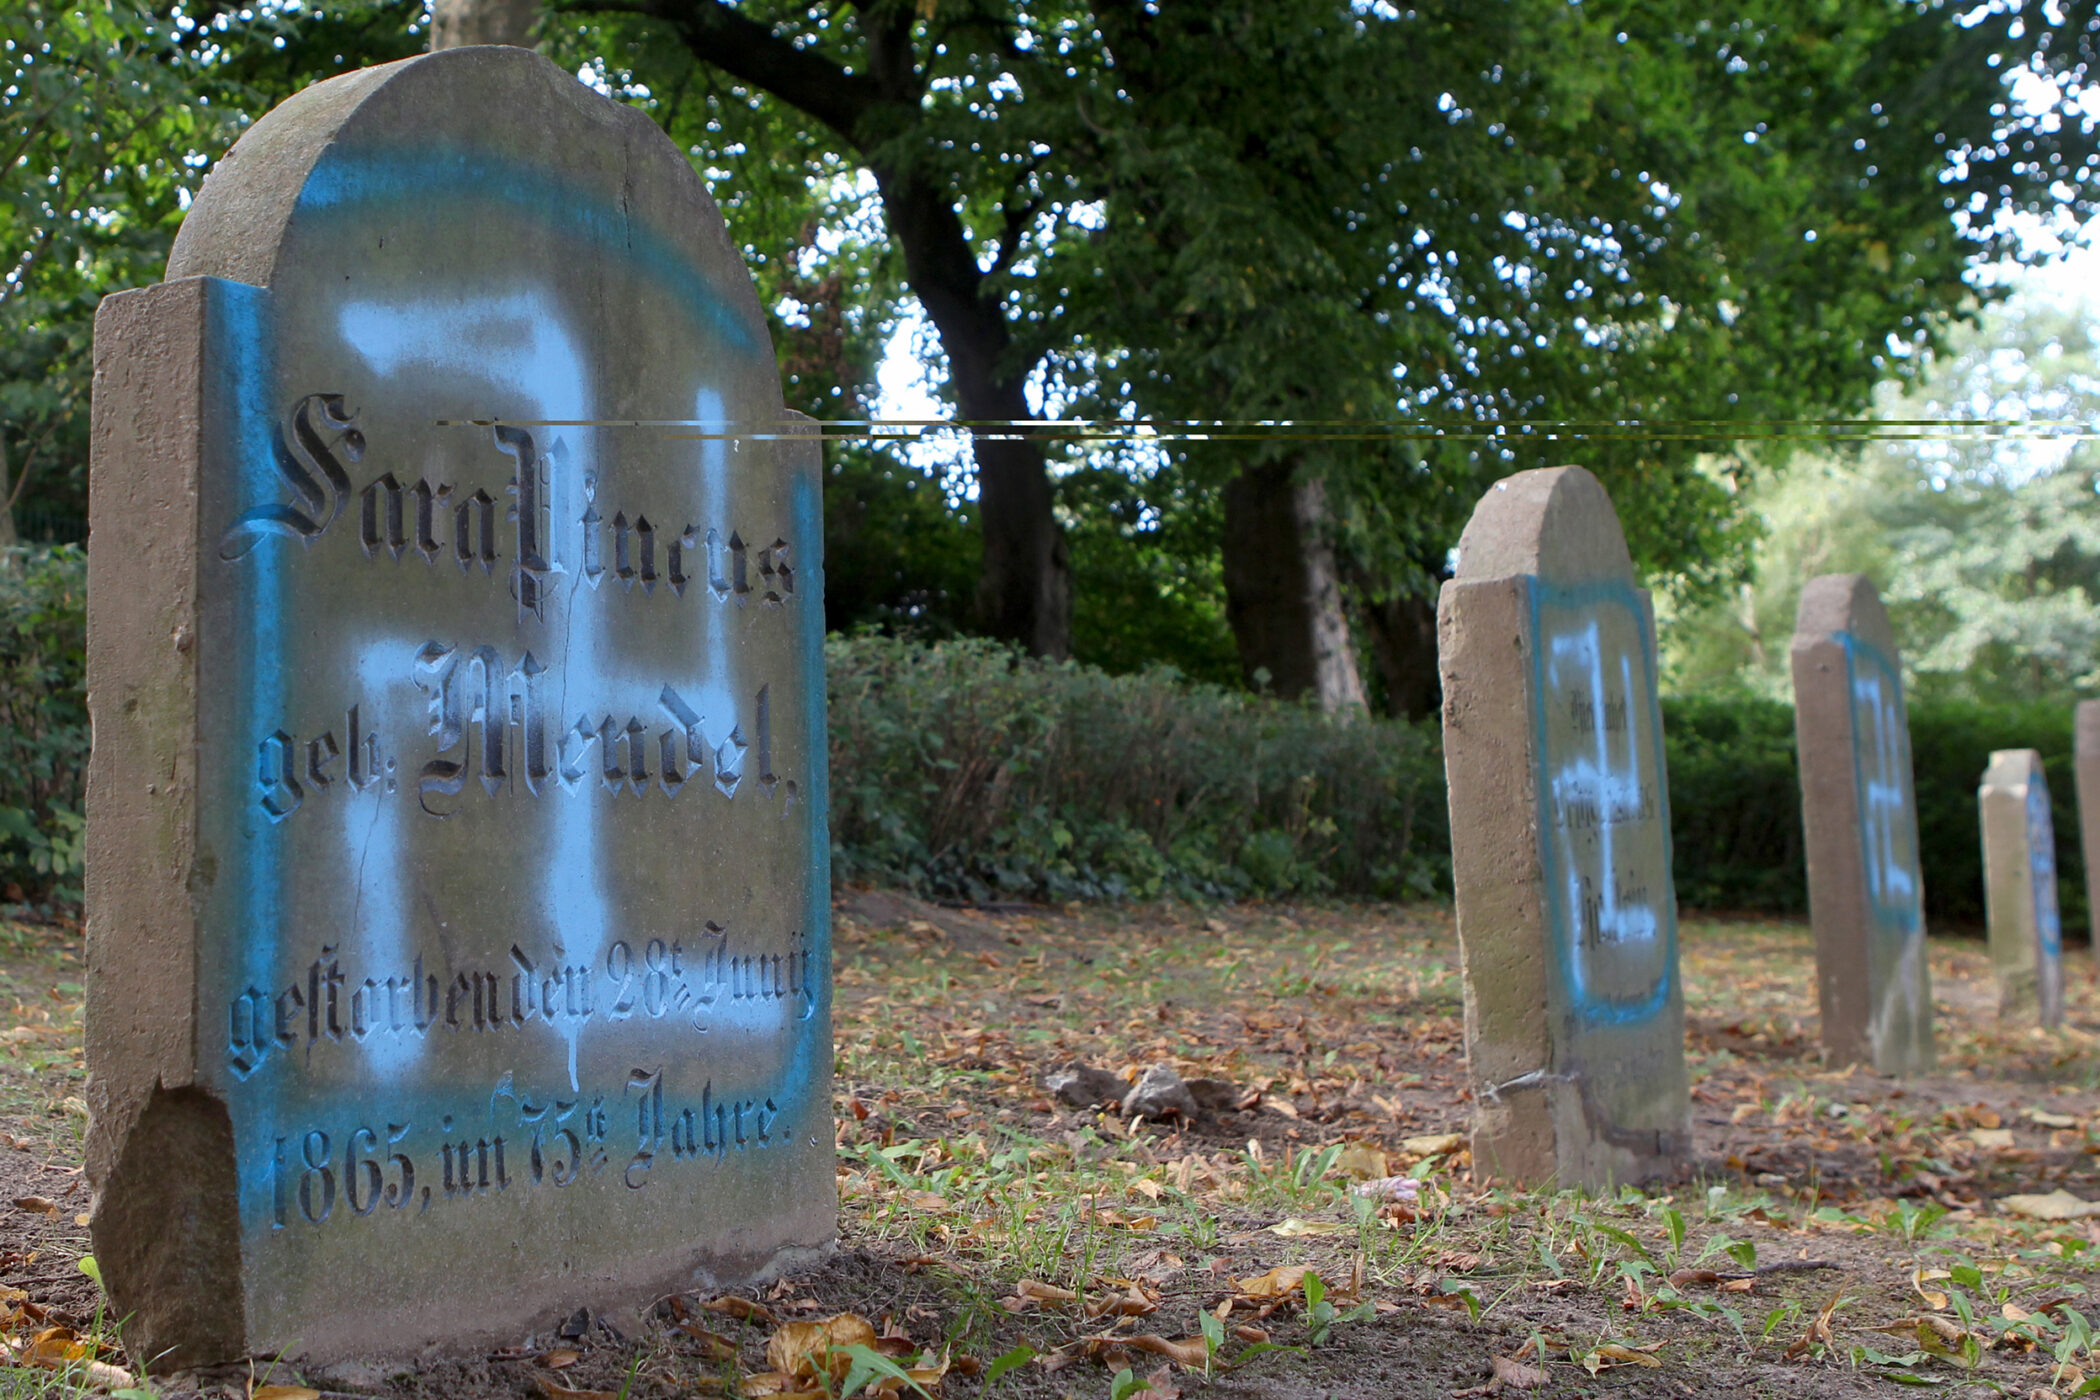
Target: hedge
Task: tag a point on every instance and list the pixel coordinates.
(1735, 804)
(965, 771)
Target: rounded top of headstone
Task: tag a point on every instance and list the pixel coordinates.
(1832, 603)
(2012, 768)
(1553, 522)
(486, 165)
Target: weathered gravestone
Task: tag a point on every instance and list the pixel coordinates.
(2019, 887)
(1859, 809)
(2085, 776)
(1560, 840)
(458, 895)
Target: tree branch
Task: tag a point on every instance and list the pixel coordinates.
(752, 53)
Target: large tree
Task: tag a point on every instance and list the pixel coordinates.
(109, 115)
(1625, 213)
(926, 99)
(1311, 210)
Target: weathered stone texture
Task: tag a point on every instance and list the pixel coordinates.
(2085, 775)
(458, 899)
(1560, 842)
(2019, 874)
(1866, 893)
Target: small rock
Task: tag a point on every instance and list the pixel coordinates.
(1216, 1095)
(1083, 1086)
(1159, 1093)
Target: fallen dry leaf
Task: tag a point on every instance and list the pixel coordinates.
(1610, 1354)
(1133, 1303)
(1518, 1375)
(1360, 1161)
(1433, 1144)
(1160, 1385)
(1279, 1282)
(1028, 1292)
(1189, 1351)
(1295, 1228)
(36, 1205)
(741, 1308)
(804, 1351)
(1992, 1139)
(2056, 1205)
(1818, 1332)
(555, 1390)
(1934, 1298)
(561, 1358)
(713, 1345)
(772, 1383)
(284, 1392)
(2042, 1118)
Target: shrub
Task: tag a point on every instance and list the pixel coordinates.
(43, 721)
(1735, 802)
(966, 770)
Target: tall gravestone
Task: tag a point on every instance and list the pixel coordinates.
(458, 897)
(1560, 841)
(2019, 888)
(2085, 775)
(1866, 894)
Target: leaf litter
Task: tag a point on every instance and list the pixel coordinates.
(1314, 1228)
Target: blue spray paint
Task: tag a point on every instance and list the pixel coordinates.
(1575, 646)
(1882, 779)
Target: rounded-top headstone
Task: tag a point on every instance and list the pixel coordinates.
(458, 886)
(1859, 811)
(2020, 899)
(1560, 841)
(1552, 522)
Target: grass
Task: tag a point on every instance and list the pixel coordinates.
(1841, 1233)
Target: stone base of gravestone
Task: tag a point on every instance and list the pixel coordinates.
(1560, 842)
(458, 897)
(1866, 894)
(2019, 869)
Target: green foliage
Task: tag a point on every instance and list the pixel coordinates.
(963, 769)
(43, 721)
(97, 112)
(1735, 802)
(110, 111)
(897, 557)
(1985, 544)
(1612, 212)
(1147, 582)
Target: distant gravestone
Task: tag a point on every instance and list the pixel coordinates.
(1560, 841)
(2085, 774)
(1866, 895)
(2019, 874)
(458, 889)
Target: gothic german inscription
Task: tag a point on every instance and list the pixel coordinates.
(508, 897)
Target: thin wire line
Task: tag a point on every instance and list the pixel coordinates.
(1079, 430)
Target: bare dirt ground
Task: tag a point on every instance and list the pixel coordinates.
(1841, 1233)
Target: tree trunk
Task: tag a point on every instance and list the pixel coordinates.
(9, 489)
(1024, 592)
(1283, 592)
(455, 24)
(1402, 634)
